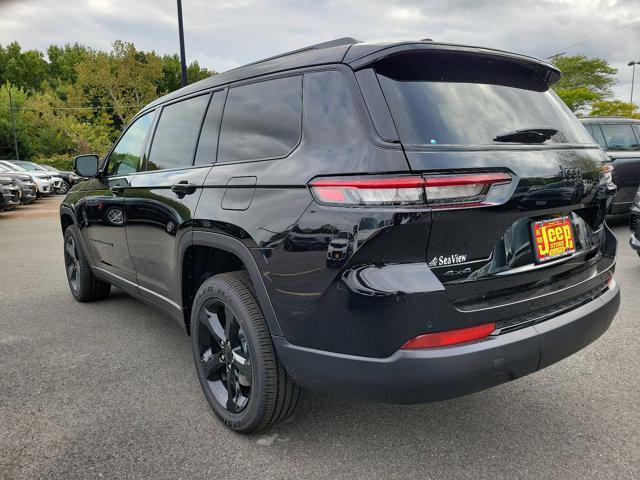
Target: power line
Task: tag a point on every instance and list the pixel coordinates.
(597, 36)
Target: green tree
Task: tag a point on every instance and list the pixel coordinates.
(23, 69)
(172, 76)
(63, 61)
(584, 81)
(120, 82)
(7, 150)
(614, 108)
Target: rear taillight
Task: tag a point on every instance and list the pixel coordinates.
(451, 337)
(438, 191)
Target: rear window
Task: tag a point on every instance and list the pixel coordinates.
(261, 120)
(620, 137)
(462, 99)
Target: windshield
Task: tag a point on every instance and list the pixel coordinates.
(449, 99)
(29, 166)
(13, 167)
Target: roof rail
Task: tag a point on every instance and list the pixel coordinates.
(318, 46)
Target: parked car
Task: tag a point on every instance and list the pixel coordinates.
(58, 184)
(620, 138)
(339, 249)
(24, 181)
(10, 193)
(634, 223)
(424, 151)
(67, 179)
(43, 181)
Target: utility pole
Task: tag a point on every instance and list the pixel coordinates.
(633, 77)
(183, 62)
(13, 123)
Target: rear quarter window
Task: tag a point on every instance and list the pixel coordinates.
(261, 120)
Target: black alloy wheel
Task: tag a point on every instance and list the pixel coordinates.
(239, 371)
(72, 263)
(225, 357)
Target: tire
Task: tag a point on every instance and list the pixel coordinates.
(246, 385)
(84, 285)
(64, 188)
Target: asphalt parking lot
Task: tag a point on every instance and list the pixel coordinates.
(108, 390)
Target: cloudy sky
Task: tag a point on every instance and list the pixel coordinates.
(227, 33)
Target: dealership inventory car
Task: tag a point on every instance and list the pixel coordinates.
(10, 193)
(58, 184)
(24, 181)
(220, 202)
(67, 179)
(42, 180)
(620, 138)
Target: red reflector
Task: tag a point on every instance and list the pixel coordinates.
(451, 337)
(400, 182)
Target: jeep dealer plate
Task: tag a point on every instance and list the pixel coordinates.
(552, 238)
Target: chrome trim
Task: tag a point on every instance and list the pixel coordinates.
(135, 285)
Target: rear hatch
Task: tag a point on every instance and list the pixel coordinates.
(529, 237)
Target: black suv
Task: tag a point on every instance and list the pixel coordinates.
(620, 138)
(467, 199)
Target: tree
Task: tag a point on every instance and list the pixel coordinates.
(63, 61)
(584, 81)
(23, 69)
(614, 108)
(7, 150)
(172, 76)
(120, 82)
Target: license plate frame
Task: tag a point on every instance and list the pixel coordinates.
(552, 238)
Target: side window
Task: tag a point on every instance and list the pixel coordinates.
(174, 140)
(598, 136)
(126, 157)
(208, 143)
(261, 120)
(620, 137)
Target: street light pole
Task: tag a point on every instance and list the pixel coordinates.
(633, 77)
(13, 123)
(183, 62)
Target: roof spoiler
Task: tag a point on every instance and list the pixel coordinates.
(365, 56)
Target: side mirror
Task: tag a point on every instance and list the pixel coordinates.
(86, 165)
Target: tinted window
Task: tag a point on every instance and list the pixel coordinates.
(126, 157)
(174, 141)
(620, 137)
(208, 143)
(261, 120)
(598, 137)
(469, 100)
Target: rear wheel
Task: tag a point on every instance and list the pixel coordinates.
(64, 187)
(237, 367)
(84, 285)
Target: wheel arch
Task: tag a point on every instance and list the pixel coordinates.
(230, 254)
(67, 218)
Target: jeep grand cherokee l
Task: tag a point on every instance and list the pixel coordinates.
(220, 201)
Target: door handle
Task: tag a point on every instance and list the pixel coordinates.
(183, 188)
(117, 189)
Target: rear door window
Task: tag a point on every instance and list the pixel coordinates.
(461, 99)
(620, 137)
(174, 141)
(261, 120)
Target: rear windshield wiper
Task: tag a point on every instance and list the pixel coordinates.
(527, 135)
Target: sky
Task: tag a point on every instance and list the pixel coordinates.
(227, 33)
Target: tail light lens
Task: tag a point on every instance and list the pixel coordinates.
(451, 337)
(439, 191)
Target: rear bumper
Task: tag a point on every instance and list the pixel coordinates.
(437, 374)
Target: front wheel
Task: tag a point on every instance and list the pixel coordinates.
(84, 285)
(238, 369)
